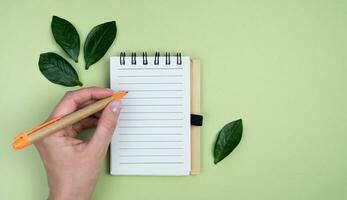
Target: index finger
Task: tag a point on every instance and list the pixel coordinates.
(71, 100)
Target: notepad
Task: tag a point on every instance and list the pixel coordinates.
(153, 132)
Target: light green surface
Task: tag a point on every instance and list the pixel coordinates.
(280, 65)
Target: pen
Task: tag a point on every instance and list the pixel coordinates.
(26, 138)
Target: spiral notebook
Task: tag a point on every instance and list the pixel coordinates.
(153, 132)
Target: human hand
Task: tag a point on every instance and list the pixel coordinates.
(73, 165)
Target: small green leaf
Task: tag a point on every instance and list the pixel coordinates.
(57, 70)
(98, 41)
(65, 34)
(228, 138)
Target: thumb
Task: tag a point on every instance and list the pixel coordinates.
(105, 128)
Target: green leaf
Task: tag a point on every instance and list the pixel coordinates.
(98, 41)
(65, 34)
(228, 138)
(57, 70)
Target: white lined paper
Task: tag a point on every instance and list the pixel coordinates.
(153, 131)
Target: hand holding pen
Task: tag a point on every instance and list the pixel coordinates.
(73, 165)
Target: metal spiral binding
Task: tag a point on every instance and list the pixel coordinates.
(167, 58)
(179, 59)
(133, 58)
(145, 59)
(122, 58)
(144, 56)
(156, 58)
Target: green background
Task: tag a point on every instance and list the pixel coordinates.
(278, 65)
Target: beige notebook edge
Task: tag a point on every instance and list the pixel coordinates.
(195, 109)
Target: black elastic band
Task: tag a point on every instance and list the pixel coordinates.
(196, 120)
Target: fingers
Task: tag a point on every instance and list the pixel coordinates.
(105, 128)
(74, 99)
(89, 122)
(97, 115)
(86, 103)
(70, 132)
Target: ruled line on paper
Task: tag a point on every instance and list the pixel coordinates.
(149, 141)
(133, 76)
(153, 98)
(144, 90)
(150, 119)
(137, 163)
(152, 112)
(150, 126)
(148, 148)
(163, 83)
(150, 133)
(152, 105)
(146, 68)
(151, 155)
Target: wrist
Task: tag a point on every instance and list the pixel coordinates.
(71, 193)
(70, 196)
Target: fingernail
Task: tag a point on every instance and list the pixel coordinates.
(115, 106)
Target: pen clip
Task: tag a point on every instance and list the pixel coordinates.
(22, 139)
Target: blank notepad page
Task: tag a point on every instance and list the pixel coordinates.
(153, 131)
